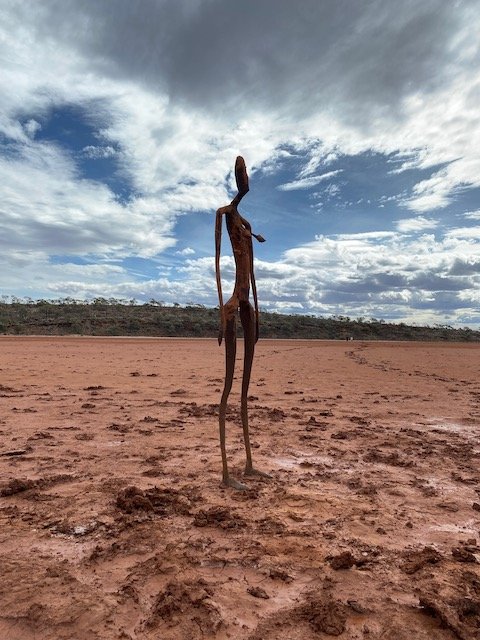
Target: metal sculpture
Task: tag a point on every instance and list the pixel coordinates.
(240, 233)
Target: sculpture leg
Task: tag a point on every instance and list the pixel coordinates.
(247, 317)
(230, 353)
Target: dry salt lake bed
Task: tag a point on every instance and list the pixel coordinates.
(113, 523)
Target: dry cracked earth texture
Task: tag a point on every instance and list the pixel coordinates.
(113, 523)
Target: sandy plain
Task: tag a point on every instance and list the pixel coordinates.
(113, 523)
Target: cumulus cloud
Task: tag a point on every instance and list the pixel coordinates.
(176, 75)
(371, 274)
(42, 205)
(175, 89)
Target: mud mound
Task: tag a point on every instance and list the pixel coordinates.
(270, 525)
(219, 517)
(319, 615)
(21, 485)
(162, 502)
(462, 616)
(194, 410)
(393, 459)
(454, 603)
(187, 606)
(325, 615)
(416, 560)
(16, 486)
(344, 560)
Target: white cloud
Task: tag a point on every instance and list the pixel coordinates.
(381, 274)
(467, 233)
(159, 91)
(307, 183)
(332, 190)
(409, 225)
(32, 127)
(472, 215)
(45, 205)
(385, 275)
(176, 96)
(96, 152)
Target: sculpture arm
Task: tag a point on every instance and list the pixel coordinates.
(248, 227)
(254, 290)
(260, 238)
(218, 242)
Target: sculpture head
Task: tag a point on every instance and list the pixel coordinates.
(241, 176)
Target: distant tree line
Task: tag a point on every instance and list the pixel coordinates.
(127, 317)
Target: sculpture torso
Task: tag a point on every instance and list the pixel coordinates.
(241, 239)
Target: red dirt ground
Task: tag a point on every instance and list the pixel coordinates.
(113, 523)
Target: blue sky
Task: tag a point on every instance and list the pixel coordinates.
(120, 122)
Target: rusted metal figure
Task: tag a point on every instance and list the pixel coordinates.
(240, 232)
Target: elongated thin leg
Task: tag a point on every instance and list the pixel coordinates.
(247, 317)
(230, 353)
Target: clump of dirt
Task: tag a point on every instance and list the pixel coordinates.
(149, 419)
(17, 486)
(319, 610)
(6, 389)
(393, 459)
(258, 592)
(312, 424)
(363, 422)
(416, 560)
(252, 493)
(342, 435)
(344, 560)
(84, 436)
(324, 614)
(219, 517)
(162, 502)
(461, 615)
(276, 414)
(449, 505)
(121, 428)
(471, 582)
(270, 525)
(461, 554)
(279, 574)
(194, 410)
(179, 392)
(133, 499)
(188, 605)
